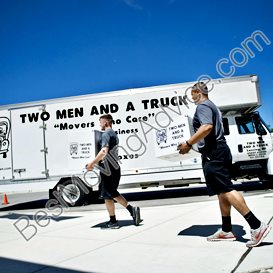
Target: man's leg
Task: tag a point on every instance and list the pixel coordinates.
(224, 204)
(134, 211)
(225, 208)
(224, 234)
(121, 200)
(110, 205)
(113, 223)
(235, 199)
(258, 230)
(226, 200)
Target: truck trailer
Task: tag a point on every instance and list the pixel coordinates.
(45, 145)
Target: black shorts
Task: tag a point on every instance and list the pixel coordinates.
(217, 163)
(109, 183)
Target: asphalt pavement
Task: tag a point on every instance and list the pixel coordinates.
(171, 238)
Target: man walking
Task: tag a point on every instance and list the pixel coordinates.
(110, 173)
(216, 163)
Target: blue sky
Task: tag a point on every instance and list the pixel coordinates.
(56, 48)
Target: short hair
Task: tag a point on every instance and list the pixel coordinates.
(108, 117)
(200, 86)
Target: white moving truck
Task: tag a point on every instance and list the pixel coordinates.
(48, 143)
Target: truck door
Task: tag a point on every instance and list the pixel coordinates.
(28, 143)
(253, 140)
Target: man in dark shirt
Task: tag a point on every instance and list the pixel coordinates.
(107, 159)
(216, 163)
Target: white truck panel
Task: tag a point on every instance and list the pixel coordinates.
(239, 95)
(5, 147)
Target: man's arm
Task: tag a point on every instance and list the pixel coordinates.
(102, 153)
(201, 133)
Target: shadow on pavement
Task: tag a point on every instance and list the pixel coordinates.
(15, 216)
(265, 244)
(37, 204)
(122, 223)
(16, 266)
(207, 230)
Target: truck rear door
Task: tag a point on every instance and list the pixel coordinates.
(28, 143)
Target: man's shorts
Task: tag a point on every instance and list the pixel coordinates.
(217, 163)
(109, 183)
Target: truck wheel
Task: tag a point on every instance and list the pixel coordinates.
(71, 193)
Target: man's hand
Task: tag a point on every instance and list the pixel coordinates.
(183, 148)
(90, 166)
(102, 153)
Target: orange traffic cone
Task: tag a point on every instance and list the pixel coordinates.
(5, 201)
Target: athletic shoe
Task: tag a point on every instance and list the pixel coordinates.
(221, 235)
(136, 215)
(257, 235)
(110, 225)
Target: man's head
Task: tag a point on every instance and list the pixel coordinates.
(199, 91)
(106, 121)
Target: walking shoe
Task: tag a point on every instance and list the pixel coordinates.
(221, 235)
(110, 225)
(257, 235)
(136, 215)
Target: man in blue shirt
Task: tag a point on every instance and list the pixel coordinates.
(217, 163)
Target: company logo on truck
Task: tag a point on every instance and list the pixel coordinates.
(74, 148)
(80, 150)
(161, 136)
(4, 135)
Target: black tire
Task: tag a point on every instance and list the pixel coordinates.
(70, 191)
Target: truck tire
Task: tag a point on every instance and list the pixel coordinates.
(71, 193)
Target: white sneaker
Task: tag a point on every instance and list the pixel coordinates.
(221, 235)
(257, 235)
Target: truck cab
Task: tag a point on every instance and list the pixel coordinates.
(251, 145)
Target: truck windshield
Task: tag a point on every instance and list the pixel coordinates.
(249, 124)
(245, 125)
(259, 125)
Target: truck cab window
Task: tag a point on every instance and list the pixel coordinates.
(226, 126)
(245, 125)
(259, 125)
